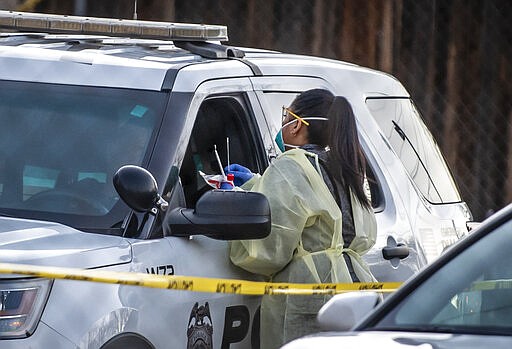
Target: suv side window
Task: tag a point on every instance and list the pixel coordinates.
(219, 118)
(413, 143)
(276, 100)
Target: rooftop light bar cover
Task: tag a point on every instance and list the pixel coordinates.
(112, 27)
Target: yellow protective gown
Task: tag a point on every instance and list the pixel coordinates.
(305, 245)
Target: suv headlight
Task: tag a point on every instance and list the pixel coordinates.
(21, 305)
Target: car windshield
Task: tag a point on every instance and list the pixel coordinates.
(60, 146)
(472, 293)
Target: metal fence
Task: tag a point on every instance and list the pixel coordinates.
(452, 55)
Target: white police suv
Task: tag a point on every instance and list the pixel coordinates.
(80, 98)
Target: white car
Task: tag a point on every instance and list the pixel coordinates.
(81, 98)
(463, 300)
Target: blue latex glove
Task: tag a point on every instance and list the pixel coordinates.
(242, 174)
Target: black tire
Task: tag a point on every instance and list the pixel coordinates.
(128, 341)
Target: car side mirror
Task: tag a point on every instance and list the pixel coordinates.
(343, 311)
(225, 215)
(137, 188)
(219, 214)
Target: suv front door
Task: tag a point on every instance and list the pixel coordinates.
(217, 110)
(393, 229)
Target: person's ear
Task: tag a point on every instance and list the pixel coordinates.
(296, 127)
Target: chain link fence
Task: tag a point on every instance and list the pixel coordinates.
(452, 55)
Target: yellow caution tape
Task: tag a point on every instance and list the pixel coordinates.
(196, 284)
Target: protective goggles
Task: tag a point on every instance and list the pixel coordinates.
(287, 111)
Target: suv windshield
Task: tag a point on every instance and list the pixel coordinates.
(60, 146)
(471, 293)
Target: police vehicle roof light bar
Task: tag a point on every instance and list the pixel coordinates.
(111, 27)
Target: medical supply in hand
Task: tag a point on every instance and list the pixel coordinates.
(227, 149)
(241, 174)
(228, 184)
(218, 160)
(219, 181)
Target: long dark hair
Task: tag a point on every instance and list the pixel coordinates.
(346, 161)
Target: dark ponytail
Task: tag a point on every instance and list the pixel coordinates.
(346, 159)
(346, 152)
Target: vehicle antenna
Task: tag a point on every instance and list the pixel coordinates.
(135, 10)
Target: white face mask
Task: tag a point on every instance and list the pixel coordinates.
(279, 136)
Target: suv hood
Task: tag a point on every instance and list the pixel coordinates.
(52, 244)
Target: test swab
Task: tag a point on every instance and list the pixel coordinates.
(227, 146)
(218, 160)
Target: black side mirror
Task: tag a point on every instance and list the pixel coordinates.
(137, 187)
(225, 215)
(219, 214)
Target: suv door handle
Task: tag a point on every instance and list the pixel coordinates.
(400, 251)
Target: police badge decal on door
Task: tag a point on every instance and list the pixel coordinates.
(200, 328)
